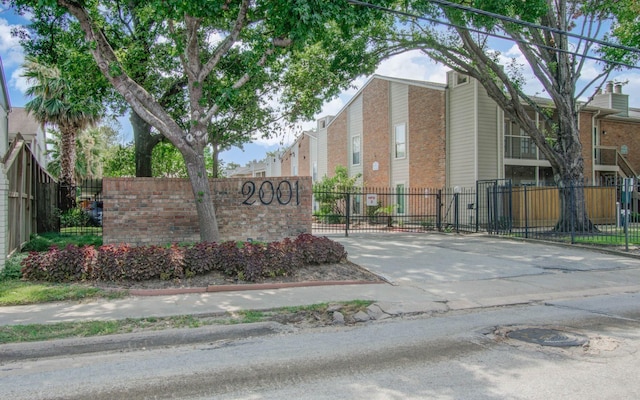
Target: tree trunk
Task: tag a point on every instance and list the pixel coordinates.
(569, 175)
(144, 143)
(67, 167)
(194, 160)
(216, 162)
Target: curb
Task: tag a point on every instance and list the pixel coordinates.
(244, 287)
(137, 341)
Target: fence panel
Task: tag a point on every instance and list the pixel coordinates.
(611, 219)
(375, 209)
(85, 217)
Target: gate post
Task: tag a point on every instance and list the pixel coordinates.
(347, 215)
(456, 214)
(439, 210)
(526, 214)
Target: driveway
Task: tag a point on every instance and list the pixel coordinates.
(428, 259)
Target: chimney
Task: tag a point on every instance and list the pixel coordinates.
(618, 88)
(609, 87)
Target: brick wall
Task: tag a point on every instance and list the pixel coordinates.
(159, 211)
(620, 132)
(376, 127)
(427, 137)
(285, 163)
(304, 154)
(337, 143)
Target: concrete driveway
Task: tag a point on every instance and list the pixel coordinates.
(480, 265)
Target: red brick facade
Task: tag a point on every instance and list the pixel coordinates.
(337, 144)
(144, 211)
(427, 136)
(426, 130)
(619, 133)
(376, 127)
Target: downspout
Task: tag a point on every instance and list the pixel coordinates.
(593, 145)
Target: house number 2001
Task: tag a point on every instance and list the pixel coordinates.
(284, 193)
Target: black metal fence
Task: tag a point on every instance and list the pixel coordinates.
(82, 214)
(393, 209)
(605, 215)
(495, 206)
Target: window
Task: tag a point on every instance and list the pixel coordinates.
(400, 139)
(461, 79)
(355, 150)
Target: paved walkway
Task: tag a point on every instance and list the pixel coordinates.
(427, 272)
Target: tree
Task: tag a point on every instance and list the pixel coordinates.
(625, 30)
(91, 147)
(223, 47)
(54, 38)
(54, 102)
(333, 193)
(541, 29)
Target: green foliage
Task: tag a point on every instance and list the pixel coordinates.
(74, 217)
(331, 193)
(166, 161)
(12, 268)
(18, 292)
(251, 262)
(44, 241)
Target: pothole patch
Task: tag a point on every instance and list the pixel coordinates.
(548, 337)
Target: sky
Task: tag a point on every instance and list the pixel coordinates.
(411, 65)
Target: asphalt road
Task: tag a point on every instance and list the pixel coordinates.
(455, 355)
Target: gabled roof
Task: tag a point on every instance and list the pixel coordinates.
(21, 121)
(4, 94)
(410, 82)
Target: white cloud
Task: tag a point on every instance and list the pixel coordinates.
(413, 65)
(12, 54)
(18, 81)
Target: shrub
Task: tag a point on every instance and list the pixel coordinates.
(12, 269)
(319, 250)
(75, 217)
(250, 262)
(202, 258)
(70, 264)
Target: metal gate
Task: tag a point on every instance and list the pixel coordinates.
(494, 207)
(393, 209)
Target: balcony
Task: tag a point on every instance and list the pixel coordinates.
(609, 159)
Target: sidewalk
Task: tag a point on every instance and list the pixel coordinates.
(426, 273)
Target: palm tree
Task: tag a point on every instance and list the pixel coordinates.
(91, 146)
(54, 101)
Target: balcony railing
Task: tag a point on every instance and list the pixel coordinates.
(609, 156)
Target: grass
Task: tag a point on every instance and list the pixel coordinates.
(84, 230)
(16, 292)
(44, 241)
(61, 330)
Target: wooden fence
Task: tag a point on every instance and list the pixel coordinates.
(32, 195)
(542, 205)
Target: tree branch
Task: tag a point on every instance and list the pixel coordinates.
(227, 43)
(139, 99)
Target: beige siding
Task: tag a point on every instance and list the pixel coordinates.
(487, 137)
(462, 135)
(399, 115)
(354, 126)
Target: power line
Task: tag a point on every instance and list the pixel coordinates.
(436, 21)
(533, 25)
